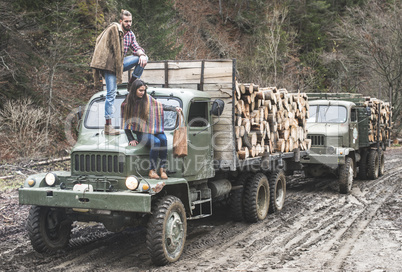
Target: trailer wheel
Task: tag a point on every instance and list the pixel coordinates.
(381, 169)
(363, 165)
(256, 198)
(277, 186)
(166, 230)
(346, 176)
(49, 229)
(237, 197)
(373, 164)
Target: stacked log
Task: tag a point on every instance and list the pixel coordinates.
(269, 120)
(380, 123)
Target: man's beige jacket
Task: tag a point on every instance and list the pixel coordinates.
(108, 53)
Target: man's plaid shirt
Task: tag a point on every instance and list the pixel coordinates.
(131, 42)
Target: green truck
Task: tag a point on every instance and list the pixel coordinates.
(108, 180)
(342, 141)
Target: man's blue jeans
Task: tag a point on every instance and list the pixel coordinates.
(158, 145)
(111, 87)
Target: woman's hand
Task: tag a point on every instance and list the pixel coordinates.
(178, 109)
(133, 143)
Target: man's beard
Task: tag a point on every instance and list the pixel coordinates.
(126, 28)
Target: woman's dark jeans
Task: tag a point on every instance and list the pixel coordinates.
(158, 145)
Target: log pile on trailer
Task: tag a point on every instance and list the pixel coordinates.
(380, 119)
(269, 120)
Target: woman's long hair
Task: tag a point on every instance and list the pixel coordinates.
(137, 107)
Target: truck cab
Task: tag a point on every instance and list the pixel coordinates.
(338, 127)
(333, 129)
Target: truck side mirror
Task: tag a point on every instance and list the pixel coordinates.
(217, 107)
(368, 111)
(79, 113)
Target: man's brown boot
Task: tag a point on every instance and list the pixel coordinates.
(109, 130)
(153, 174)
(132, 79)
(163, 174)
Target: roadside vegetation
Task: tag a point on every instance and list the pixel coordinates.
(311, 46)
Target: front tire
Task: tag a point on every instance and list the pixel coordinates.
(346, 173)
(277, 186)
(167, 230)
(373, 164)
(49, 229)
(256, 198)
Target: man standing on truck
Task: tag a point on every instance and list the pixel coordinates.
(109, 60)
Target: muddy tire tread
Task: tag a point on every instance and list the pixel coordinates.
(33, 227)
(250, 195)
(344, 176)
(237, 198)
(273, 178)
(373, 165)
(154, 236)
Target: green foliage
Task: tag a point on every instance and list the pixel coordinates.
(154, 26)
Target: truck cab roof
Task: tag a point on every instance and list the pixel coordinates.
(347, 104)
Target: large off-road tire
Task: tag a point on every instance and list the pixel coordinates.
(166, 230)
(363, 164)
(277, 186)
(48, 229)
(346, 176)
(256, 198)
(381, 168)
(236, 197)
(373, 164)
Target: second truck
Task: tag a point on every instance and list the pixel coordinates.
(349, 134)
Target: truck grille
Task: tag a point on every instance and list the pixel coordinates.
(98, 163)
(316, 140)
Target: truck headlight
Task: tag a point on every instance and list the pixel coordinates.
(331, 150)
(132, 183)
(50, 179)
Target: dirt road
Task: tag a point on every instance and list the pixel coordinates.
(318, 230)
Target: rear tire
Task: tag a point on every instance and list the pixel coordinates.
(49, 229)
(277, 186)
(363, 165)
(256, 198)
(346, 172)
(237, 198)
(166, 230)
(373, 164)
(381, 169)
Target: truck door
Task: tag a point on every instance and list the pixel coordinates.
(198, 162)
(353, 129)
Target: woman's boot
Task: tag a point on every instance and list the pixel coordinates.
(153, 174)
(163, 174)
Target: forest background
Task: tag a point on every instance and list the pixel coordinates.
(331, 46)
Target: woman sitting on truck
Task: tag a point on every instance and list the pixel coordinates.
(143, 115)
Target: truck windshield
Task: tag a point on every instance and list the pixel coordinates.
(327, 114)
(95, 116)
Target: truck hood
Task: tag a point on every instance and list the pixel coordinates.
(327, 129)
(98, 141)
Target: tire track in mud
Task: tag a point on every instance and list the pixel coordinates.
(317, 228)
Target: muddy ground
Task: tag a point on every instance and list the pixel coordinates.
(318, 230)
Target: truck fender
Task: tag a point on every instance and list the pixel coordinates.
(180, 190)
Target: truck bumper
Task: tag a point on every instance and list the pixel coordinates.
(323, 159)
(114, 201)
